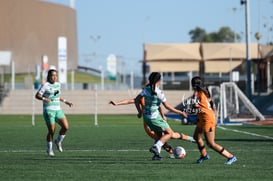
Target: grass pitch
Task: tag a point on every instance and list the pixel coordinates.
(117, 149)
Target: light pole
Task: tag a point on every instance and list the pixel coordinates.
(234, 12)
(248, 59)
(95, 39)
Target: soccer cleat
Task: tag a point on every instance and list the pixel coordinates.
(156, 157)
(156, 153)
(171, 155)
(154, 150)
(231, 160)
(59, 146)
(202, 158)
(50, 153)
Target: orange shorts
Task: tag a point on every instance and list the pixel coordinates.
(206, 126)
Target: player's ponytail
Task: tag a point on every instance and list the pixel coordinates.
(153, 78)
(197, 84)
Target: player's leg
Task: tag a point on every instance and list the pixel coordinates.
(149, 132)
(198, 133)
(156, 148)
(210, 138)
(50, 123)
(176, 135)
(63, 122)
(159, 125)
(187, 138)
(168, 148)
(49, 138)
(166, 136)
(156, 136)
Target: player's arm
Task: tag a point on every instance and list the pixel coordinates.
(138, 105)
(66, 102)
(39, 96)
(162, 113)
(123, 102)
(172, 109)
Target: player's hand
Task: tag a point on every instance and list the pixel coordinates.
(139, 115)
(184, 114)
(69, 103)
(46, 100)
(113, 103)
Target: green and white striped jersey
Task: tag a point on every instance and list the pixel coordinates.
(52, 92)
(152, 102)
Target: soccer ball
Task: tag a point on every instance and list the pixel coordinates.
(179, 152)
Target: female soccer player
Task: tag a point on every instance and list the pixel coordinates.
(149, 132)
(206, 123)
(153, 97)
(49, 93)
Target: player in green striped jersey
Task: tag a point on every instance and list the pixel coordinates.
(49, 93)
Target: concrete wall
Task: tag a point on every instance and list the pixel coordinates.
(30, 29)
(22, 102)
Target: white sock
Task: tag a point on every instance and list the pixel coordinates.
(49, 145)
(191, 139)
(60, 138)
(159, 144)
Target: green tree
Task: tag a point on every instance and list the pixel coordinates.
(198, 34)
(225, 34)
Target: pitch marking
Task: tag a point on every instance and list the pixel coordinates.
(245, 132)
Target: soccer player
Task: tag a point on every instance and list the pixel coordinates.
(49, 93)
(206, 123)
(153, 98)
(149, 132)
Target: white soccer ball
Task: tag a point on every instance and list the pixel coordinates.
(179, 152)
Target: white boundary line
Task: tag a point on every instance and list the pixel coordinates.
(245, 132)
(82, 151)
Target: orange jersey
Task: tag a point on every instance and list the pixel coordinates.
(206, 117)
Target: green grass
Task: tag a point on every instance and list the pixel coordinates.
(117, 149)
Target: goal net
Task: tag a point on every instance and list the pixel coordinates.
(232, 104)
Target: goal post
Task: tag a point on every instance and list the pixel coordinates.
(232, 104)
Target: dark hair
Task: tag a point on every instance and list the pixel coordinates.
(153, 78)
(197, 84)
(49, 73)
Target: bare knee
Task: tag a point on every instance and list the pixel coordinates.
(64, 125)
(211, 144)
(63, 130)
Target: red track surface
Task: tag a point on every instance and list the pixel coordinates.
(267, 121)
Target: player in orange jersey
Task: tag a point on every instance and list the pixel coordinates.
(206, 122)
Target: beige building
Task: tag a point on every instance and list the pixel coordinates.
(217, 57)
(30, 29)
(211, 58)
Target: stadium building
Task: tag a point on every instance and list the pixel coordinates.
(30, 30)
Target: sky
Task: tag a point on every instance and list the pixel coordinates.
(121, 27)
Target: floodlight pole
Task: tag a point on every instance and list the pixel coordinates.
(95, 39)
(248, 50)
